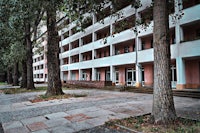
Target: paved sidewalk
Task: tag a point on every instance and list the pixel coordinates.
(19, 115)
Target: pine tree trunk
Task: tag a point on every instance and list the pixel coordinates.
(163, 104)
(29, 52)
(9, 76)
(24, 75)
(16, 75)
(53, 65)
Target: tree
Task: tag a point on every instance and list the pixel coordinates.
(32, 17)
(53, 65)
(16, 74)
(29, 55)
(21, 19)
(163, 105)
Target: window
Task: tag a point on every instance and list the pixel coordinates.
(142, 76)
(143, 45)
(84, 76)
(107, 75)
(117, 51)
(116, 77)
(104, 53)
(198, 33)
(98, 76)
(100, 54)
(41, 75)
(151, 43)
(126, 49)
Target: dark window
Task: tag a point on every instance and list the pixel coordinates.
(198, 33)
(104, 53)
(126, 49)
(151, 43)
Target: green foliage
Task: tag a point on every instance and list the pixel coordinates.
(13, 15)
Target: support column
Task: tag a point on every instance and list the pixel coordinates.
(180, 67)
(94, 20)
(112, 74)
(139, 44)
(138, 75)
(93, 74)
(111, 50)
(61, 76)
(80, 74)
(69, 74)
(179, 33)
(178, 29)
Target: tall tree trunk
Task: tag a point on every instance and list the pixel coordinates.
(163, 104)
(9, 75)
(29, 52)
(16, 75)
(53, 65)
(24, 75)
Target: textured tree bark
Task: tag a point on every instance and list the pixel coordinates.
(9, 76)
(53, 64)
(16, 75)
(163, 104)
(24, 75)
(29, 52)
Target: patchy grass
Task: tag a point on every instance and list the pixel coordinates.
(144, 124)
(41, 98)
(22, 90)
(3, 83)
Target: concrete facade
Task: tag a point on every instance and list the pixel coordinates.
(40, 62)
(105, 53)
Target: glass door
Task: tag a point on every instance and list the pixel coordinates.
(173, 76)
(130, 77)
(116, 77)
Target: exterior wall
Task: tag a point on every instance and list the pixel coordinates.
(148, 74)
(193, 74)
(40, 71)
(146, 42)
(103, 75)
(76, 75)
(183, 36)
(122, 75)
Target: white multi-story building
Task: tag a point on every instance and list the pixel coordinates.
(40, 61)
(101, 54)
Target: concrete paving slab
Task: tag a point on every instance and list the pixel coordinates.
(56, 115)
(77, 117)
(36, 126)
(99, 113)
(98, 121)
(120, 116)
(78, 126)
(17, 130)
(82, 110)
(41, 131)
(33, 120)
(12, 124)
(62, 129)
(56, 122)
